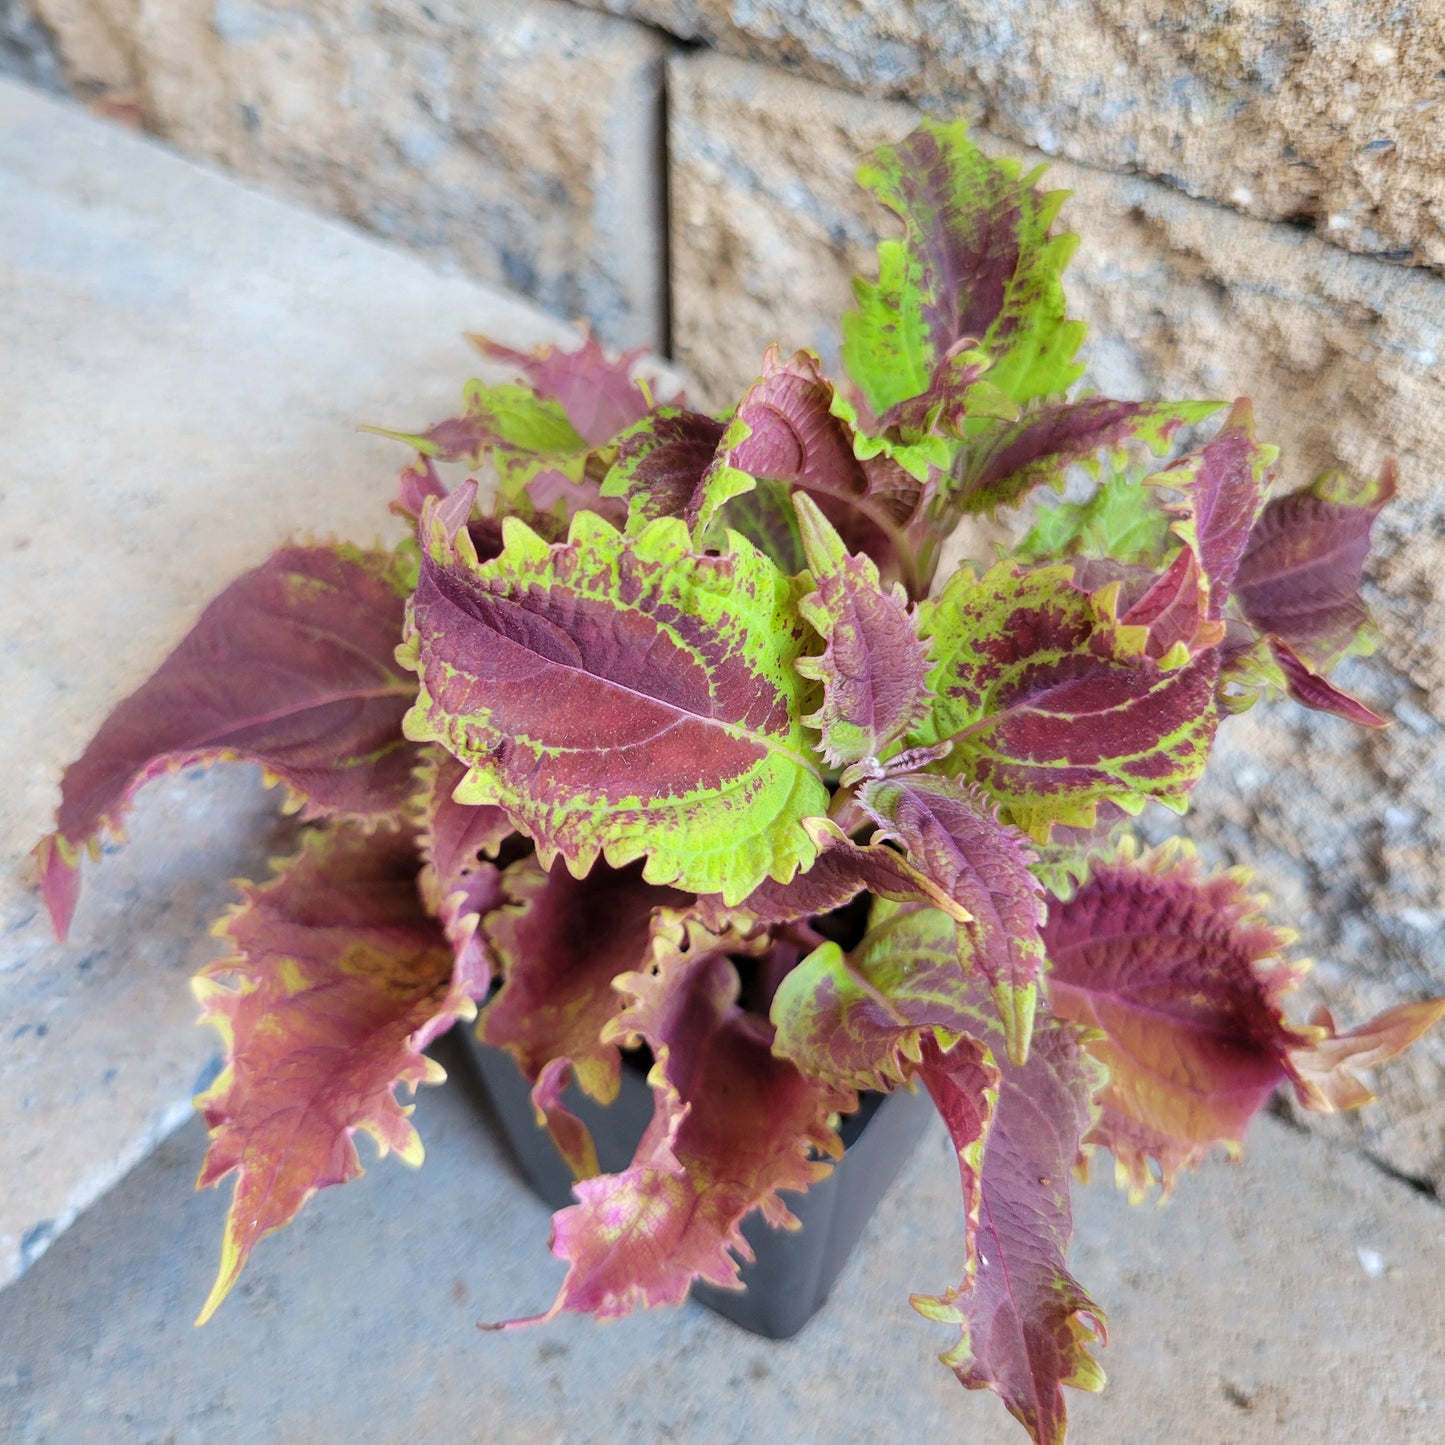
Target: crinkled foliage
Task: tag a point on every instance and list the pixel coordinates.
(662, 731)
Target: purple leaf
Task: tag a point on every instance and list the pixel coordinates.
(662, 465)
(1299, 577)
(1224, 484)
(597, 393)
(291, 667)
(560, 942)
(1306, 686)
(1026, 1322)
(874, 670)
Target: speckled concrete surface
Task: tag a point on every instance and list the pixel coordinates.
(183, 364)
(1292, 1301)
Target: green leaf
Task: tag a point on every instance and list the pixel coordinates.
(623, 695)
(1122, 521)
(976, 261)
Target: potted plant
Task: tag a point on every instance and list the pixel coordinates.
(678, 738)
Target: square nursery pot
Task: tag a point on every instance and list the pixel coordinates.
(793, 1269)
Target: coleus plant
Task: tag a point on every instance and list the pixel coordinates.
(676, 736)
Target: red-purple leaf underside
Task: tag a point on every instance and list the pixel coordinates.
(1027, 1324)
(733, 1126)
(291, 667)
(1306, 686)
(560, 942)
(953, 836)
(623, 694)
(597, 393)
(1299, 577)
(458, 886)
(336, 981)
(1174, 609)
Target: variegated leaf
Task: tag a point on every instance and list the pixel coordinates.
(622, 695)
(1054, 705)
(976, 262)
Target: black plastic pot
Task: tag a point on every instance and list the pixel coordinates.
(793, 1270)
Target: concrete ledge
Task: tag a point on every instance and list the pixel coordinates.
(184, 363)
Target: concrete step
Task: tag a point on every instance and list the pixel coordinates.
(184, 364)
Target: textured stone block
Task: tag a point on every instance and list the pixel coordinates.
(518, 140)
(1343, 357)
(185, 364)
(1325, 113)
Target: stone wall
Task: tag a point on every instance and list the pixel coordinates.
(1259, 186)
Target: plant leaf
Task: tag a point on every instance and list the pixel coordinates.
(662, 468)
(597, 393)
(457, 886)
(1122, 523)
(952, 835)
(861, 1019)
(560, 942)
(291, 667)
(1299, 577)
(1026, 1322)
(335, 982)
(622, 695)
(1053, 704)
(732, 1126)
(873, 669)
(1225, 484)
(793, 427)
(976, 262)
(1306, 686)
(1006, 464)
(841, 871)
(1185, 980)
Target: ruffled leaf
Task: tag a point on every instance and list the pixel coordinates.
(873, 669)
(1026, 1322)
(1299, 578)
(1040, 447)
(976, 262)
(1225, 484)
(458, 884)
(596, 392)
(1185, 981)
(335, 982)
(1054, 705)
(622, 695)
(291, 667)
(560, 942)
(952, 835)
(861, 1019)
(733, 1126)
(1174, 610)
